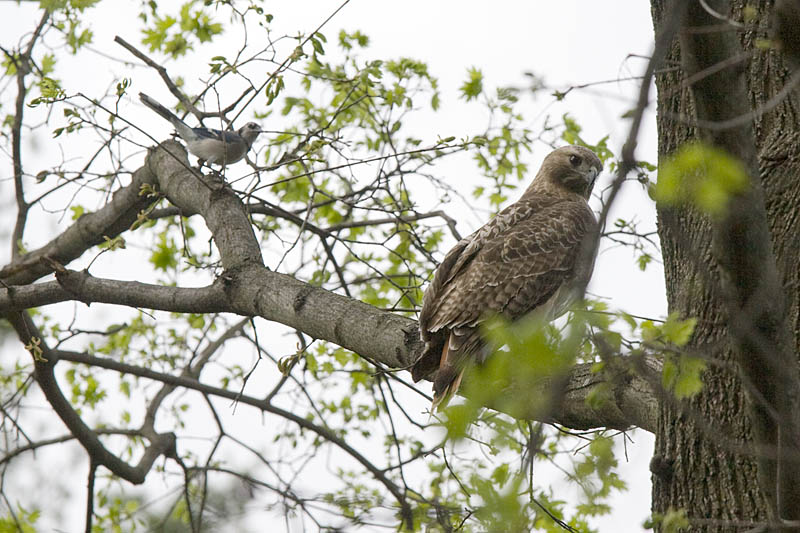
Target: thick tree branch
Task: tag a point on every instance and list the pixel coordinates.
(750, 281)
(82, 286)
(223, 211)
(17, 298)
(111, 220)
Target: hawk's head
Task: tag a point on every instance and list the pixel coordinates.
(571, 167)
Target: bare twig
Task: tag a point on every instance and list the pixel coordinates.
(23, 68)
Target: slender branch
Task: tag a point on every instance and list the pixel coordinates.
(90, 496)
(746, 118)
(45, 360)
(171, 85)
(193, 384)
(192, 370)
(23, 65)
(291, 59)
(628, 162)
(454, 147)
(265, 209)
(35, 445)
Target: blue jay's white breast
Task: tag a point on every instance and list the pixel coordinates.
(209, 150)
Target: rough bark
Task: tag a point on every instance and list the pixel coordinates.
(704, 461)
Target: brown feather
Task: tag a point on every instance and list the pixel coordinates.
(524, 259)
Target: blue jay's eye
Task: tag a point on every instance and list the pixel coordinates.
(575, 160)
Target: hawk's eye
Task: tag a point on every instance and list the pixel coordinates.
(575, 160)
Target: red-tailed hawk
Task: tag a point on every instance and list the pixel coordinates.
(532, 256)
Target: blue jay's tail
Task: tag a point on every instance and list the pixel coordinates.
(178, 124)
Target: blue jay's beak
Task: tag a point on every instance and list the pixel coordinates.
(249, 132)
(250, 128)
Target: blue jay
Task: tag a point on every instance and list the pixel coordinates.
(211, 146)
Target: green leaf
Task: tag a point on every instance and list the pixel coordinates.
(677, 331)
(117, 243)
(689, 381)
(122, 86)
(500, 474)
(47, 64)
(459, 417)
(700, 175)
(50, 90)
(572, 129)
(77, 211)
(81, 5)
(473, 87)
(683, 375)
(164, 257)
(600, 395)
(673, 521)
(650, 331)
(643, 260)
(197, 321)
(20, 521)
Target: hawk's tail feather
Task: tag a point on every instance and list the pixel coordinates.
(451, 370)
(442, 397)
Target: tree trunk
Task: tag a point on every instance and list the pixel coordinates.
(704, 459)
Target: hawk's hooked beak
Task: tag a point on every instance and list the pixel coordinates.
(593, 172)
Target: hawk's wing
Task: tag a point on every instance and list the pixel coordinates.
(514, 264)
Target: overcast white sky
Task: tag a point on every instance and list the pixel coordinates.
(569, 42)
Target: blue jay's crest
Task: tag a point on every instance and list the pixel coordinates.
(215, 147)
